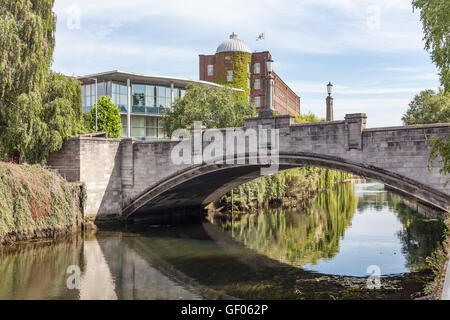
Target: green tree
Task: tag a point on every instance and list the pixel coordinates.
(214, 107)
(38, 109)
(108, 118)
(435, 16)
(428, 107)
(41, 122)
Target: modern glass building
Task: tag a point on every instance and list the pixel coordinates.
(141, 99)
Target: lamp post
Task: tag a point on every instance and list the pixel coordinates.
(329, 102)
(268, 105)
(96, 100)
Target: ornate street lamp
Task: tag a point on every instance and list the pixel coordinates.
(329, 88)
(329, 102)
(268, 105)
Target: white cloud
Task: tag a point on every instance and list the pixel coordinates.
(324, 26)
(316, 87)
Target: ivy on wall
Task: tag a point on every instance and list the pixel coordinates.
(238, 62)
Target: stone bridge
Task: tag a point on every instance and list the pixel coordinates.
(132, 178)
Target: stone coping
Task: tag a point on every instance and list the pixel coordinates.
(306, 124)
(415, 126)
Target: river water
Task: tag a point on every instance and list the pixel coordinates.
(324, 250)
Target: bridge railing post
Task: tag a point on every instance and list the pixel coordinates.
(355, 123)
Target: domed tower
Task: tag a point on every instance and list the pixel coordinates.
(235, 65)
(231, 66)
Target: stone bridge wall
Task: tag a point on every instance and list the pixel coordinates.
(117, 172)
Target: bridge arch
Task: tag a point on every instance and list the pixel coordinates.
(199, 185)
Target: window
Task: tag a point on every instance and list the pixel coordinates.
(120, 96)
(88, 94)
(145, 128)
(150, 99)
(210, 70)
(230, 75)
(138, 126)
(257, 102)
(257, 68)
(124, 126)
(138, 92)
(257, 84)
(151, 127)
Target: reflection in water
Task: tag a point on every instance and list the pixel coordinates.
(38, 270)
(298, 237)
(343, 232)
(110, 270)
(275, 254)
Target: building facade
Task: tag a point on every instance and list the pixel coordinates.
(226, 67)
(141, 99)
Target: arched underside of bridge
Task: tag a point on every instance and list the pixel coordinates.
(198, 186)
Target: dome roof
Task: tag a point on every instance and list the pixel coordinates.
(233, 44)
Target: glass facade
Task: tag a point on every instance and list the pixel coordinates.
(120, 96)
(88, 94)
(144, 127)
(149, 99)
(146, 100)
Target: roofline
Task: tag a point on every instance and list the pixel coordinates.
(212, 84)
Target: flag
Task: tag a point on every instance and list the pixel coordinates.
(262, 36)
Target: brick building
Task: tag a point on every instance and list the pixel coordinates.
(220, 68)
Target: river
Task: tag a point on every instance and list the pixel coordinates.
(326, 249)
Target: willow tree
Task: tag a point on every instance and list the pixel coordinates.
(36, 108)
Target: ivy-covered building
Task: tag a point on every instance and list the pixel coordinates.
(141, 99)
(234, 64)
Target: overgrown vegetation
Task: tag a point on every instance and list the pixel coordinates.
(297, 184)
(34, 200)
(240, 62)
(437, 262)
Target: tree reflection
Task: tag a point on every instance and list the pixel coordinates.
(299, 237)
(421, 235)
(304, 236)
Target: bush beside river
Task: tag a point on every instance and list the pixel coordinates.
(37, 203)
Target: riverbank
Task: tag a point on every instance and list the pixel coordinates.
(36, 203)
(438, 262)
(287, 188)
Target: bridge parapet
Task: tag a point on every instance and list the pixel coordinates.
(128, 175)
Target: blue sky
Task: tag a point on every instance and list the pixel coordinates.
(372, 51)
